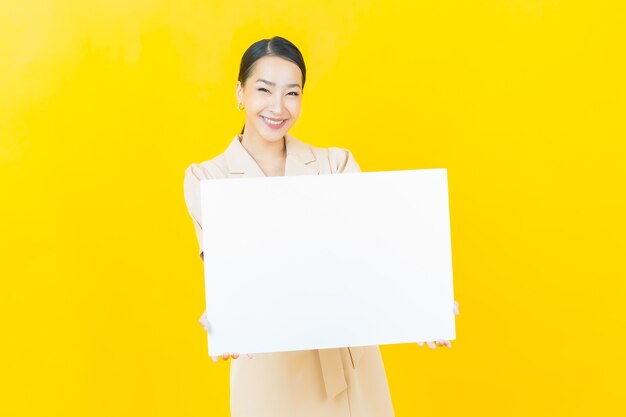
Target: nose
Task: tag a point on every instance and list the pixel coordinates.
(276, 106)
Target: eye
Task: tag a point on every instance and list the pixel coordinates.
(263, 89)
(294, 93)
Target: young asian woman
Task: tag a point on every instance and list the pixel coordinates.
(337, 382)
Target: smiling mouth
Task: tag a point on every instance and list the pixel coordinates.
(274, 123)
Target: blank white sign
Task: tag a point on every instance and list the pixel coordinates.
(324, 261)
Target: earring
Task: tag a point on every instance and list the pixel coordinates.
(240, 106)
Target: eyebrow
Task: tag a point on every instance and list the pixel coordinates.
(273, 83)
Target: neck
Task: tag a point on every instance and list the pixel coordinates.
(262, 149)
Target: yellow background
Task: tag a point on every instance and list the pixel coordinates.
(104, 103)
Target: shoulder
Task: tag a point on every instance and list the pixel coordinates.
(340, 159)
(211, 168)
(332, 159)
(194, 174)
(197, 171)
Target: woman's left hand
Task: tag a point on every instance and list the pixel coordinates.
(433, 345)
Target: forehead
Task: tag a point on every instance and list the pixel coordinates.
(276, 69)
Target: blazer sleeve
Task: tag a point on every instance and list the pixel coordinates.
(191, 185)
(342, 160)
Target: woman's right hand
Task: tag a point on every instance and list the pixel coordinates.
(207, 326)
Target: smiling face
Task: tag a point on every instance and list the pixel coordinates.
(272, 98)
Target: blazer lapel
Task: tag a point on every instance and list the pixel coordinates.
(240, 162)
(300, 159)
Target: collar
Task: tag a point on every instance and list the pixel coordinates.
(300, 159)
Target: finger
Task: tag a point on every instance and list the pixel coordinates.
(214, 358)
(205, 323)
(202, 317)
(448, 343)
(235, 355)
(431, 345)
(225, 356)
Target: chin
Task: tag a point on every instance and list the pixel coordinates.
(274, 136)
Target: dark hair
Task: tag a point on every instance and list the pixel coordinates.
(276, 46)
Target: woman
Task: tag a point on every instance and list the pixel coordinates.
(325, 382)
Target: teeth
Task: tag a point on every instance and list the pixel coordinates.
(272, 122)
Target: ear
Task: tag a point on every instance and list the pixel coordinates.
(239, 92)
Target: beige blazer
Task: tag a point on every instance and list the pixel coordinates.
(337, 382)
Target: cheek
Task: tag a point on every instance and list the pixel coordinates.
(294, 107)
(255, 98)
(255, 105)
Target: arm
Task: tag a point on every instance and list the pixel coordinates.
(191, 186)
(193, 175)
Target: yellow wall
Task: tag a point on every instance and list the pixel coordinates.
(104, 103)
